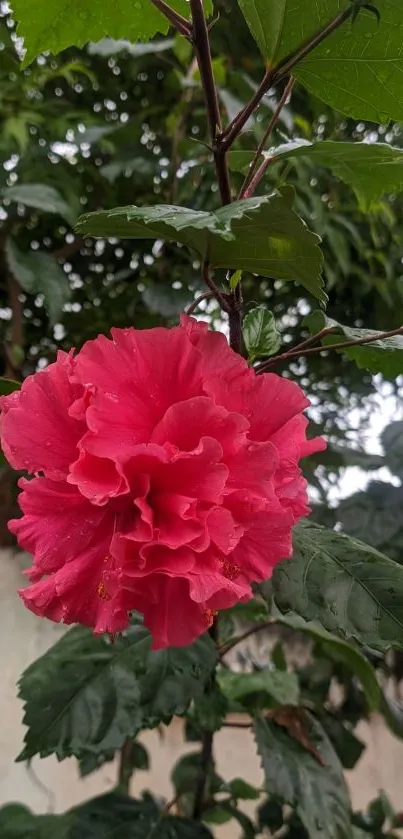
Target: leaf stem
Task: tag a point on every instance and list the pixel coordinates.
(257, 627)
(176, 20)
(251, 181)
(275, 74)
(125, 771)
(296, 353)
(201, 41)
(222, 298)
(207, 295)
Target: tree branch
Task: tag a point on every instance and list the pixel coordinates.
(275, 74)
(200, 37)
(125, 766)
(257, 627)
(207, 295)
(296, 353)
(176, 20)
(251, 181)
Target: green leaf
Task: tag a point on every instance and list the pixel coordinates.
(86, 695)
(79, 21)
(40, 273)
(260, 333)
(381, 356)
(111, 816)
(210, 710)
(241, 790)
(262, 688)
(317, 792)
(348, 586)
(261, 235)
(341, 651)
(365, 50)
(139, 759)
(346, 745)
(8, 386)
(371, 169)
(39, 197)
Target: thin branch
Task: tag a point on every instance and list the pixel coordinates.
(207, 295)
(176, 20)
(200, 36)
(206, 274)
(287, 64)
(249, 181)
(276, 74)
(237, 724)
(257, 627)
(308, 343)
(125, 771)
(206, 761)
(292, 354)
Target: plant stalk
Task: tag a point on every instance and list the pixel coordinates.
(275, 74)
(201, 41)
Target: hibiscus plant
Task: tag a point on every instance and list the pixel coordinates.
(162, 497)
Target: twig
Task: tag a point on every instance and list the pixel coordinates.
(235, 641)
(206, 274)
(180, 23)
(69, 249)
(379, 336)
(237, 724)
(125, 766)
(308, 343)
(207, 295)
(200, 37)
(275, 74)
(170, 804)
(249, 184)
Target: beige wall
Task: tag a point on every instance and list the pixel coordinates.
(53, 786)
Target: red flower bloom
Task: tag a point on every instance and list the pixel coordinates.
(168, 479)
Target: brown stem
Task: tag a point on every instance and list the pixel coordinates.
(237, 724)
(176, 20)
(125, 766)
(207, 295)
(308, 343)
(276, 74)
(206, 274)
(235, 641)
(292, 354)
(202, 46)
(69, 248)
(249, 184)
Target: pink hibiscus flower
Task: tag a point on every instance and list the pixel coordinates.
(167, 479)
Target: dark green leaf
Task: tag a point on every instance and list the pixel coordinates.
(364, 50)
(348, 586)
(318, 792)
(262, 688)
(261, 235)
(260, 333)
(40, 273)
(340, 651)
(186, 774)
(210, 710)
(381, 356)
(86, 695)
(88, 20)
(347, 746)
(40, 197)
(241, 790)
(371, 169)
(8, 386)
